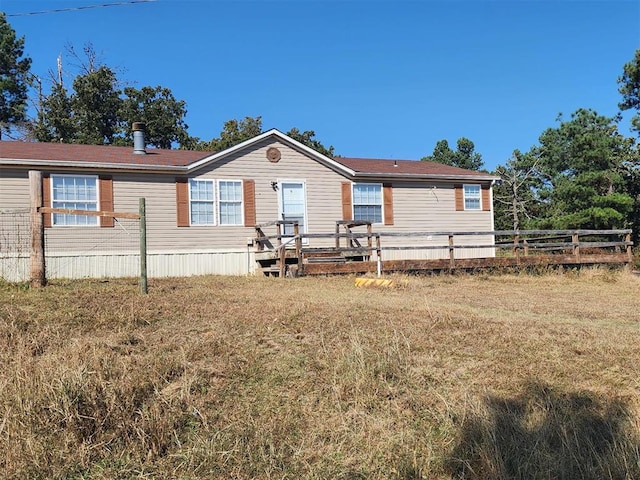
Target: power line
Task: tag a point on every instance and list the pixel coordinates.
(86, 7)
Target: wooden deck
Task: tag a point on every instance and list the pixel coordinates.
(373, 252)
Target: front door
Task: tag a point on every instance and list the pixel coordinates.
(293, 205)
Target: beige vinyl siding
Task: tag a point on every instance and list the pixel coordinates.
(15, 237)
(14, 189)
(430, 207)
(322, 188)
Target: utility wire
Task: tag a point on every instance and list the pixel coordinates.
(86, 7)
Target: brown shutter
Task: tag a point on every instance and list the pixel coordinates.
(347, 210)
(387, 196)
(249, 198)
(486, 198)
(459, 197)
(46, 199)
(182, 202)
(106, 200)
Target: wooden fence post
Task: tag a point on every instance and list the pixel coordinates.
(143, 246)
(575, 240)
(452, 261)
(627, 239)
(36, 258)
(378, 256)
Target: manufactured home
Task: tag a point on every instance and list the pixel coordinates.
(202, 207)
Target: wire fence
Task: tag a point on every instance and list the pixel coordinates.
(90, 252)
(15, 244)
(70, 252)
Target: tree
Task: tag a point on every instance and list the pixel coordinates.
(514, 197)
(465, 155)
(162, 114)
(55, 122)
(233, 132)
(14, 77)
(96, 103)
(237, 131)
(442, 154)
(307, 138)
(583, 168)
(630, 89)
(97, 111)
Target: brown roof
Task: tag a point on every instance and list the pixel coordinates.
(64, 152)
(403, 167)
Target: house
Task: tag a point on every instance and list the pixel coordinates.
(201, 207)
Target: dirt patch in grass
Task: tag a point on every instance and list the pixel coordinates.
(490, 376)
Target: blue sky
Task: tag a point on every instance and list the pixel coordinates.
(379, 79)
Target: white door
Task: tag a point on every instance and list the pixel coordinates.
(293, 205)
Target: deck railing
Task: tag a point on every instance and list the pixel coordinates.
(505, 247)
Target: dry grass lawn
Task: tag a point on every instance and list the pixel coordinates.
(486, 376)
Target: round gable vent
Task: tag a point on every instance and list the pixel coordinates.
(273, 154)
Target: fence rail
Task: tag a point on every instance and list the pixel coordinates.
(505, 248)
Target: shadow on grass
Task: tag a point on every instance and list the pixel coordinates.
(548, 434)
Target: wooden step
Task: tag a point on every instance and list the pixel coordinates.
(325, 260)
(272, 271)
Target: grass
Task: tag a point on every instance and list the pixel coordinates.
(488, 376)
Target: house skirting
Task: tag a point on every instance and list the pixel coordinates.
(71, 265)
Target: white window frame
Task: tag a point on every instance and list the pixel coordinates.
(212, 202)
(60, 219)
(353, 201)
(220, 202)
(467, 196)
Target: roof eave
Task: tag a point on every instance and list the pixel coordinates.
(282, 137)
(94, 165)
(420, 176)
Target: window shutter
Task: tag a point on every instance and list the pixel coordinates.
(249, 199)
(459, 197)
(182, 202)
(106, 200)
(387, 198)
(347, 210)
(486, 198)
(46, 199)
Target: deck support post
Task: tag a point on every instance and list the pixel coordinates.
(298, 243)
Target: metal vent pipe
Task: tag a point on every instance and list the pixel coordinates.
(138, 138)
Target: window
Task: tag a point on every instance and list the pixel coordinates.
(367, 202)
(472, 197)
(230, 202)
(75, 192)
(201, 202)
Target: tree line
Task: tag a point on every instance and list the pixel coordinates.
(583, 173)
